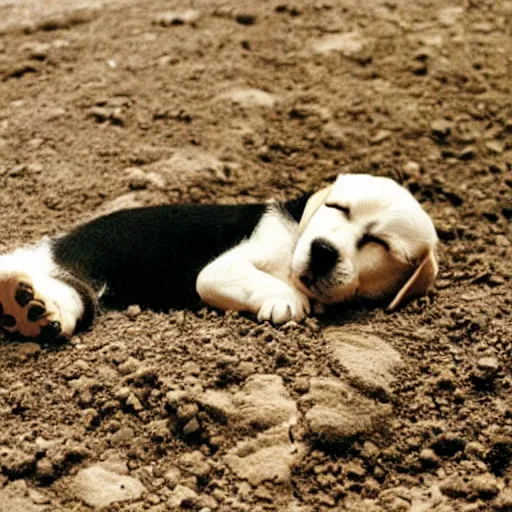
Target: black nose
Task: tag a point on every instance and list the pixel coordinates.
(323, 257)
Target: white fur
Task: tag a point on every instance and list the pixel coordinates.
(254, 276)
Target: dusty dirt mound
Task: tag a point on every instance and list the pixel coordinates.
(135, 103)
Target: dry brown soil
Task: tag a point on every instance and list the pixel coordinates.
(160, 101)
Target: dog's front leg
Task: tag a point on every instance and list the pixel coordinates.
(233, 281)
(253, 276)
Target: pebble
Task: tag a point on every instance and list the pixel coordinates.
(429, 459)
(172, 477)
(182, 497)
(467, 153)
(495, 146)
(333, 136)
(350, 44)
(134, 403)
(123, 436)
(133, 311)
(475, 449)
(98, 487)
(488, 364)
(171, 18)
(250, 97)
(192, 427)
(455, 487)
(485, 486)
(441, 129)
(195, 463)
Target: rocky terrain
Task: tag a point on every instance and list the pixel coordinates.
(105, 105)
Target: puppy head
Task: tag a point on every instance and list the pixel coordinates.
(367, 237)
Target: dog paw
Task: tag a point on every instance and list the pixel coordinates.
(26, 312)
(282, 308)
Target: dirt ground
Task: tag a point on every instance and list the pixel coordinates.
(159, 101)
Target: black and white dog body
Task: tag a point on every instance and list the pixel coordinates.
(363, 236)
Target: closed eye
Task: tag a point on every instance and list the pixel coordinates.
(344, 209)
(368, 238)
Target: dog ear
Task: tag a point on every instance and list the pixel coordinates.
(314, 202)
(419, 283)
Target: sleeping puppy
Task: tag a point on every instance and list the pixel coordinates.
(362, 236)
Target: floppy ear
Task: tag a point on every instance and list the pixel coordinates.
(314, 202)
(419, 283)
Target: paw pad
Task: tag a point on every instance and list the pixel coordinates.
(24, 312)
(24, 294)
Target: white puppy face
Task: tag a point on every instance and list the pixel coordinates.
(364, 236)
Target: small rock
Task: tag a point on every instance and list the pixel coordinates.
(170, 18)
(412, 168)
(175, 397)
(349, 44)
(133, 311)
(333, 136)
(123, 436)
(485, 486)
(187, 411)
(250, 98)
(172, 477)
(429, 459)
(495, 146)
(195, 463)
(38, 497)
(467, 153)
(380, 136)
(98, 487)
(455, 487)
(192, 427)
(131, 365)
(489, 364)
(182, 497)
(355, 471)
(475, 449)
(441, 129)
(134, 403)
(101, 114)
(37, 50)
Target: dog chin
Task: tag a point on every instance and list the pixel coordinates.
(330, 295)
